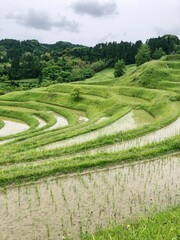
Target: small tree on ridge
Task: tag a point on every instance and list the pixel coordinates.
(143, 55)
(76, 94)
(119, 68)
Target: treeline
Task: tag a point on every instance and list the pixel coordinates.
(10, 48)
(66, 62)
(126, 50)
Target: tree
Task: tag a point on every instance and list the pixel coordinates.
(15, 69)
(158, 53)
(52, 72)
(143, 55)
(76, 94)
(119, 68)
(3, 56)
(31, 67)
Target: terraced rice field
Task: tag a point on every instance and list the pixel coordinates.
(67, 206)
(77, 163)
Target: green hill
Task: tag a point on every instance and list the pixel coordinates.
(150, 92)
(80, 126)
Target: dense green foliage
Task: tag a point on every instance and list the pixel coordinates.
(143, 55)
(65, 62)
(158, 53)
(169, 43)
(119, 68)
(76, 94)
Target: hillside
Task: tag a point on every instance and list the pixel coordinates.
(74, 130)
(28, 64)
(161, 74)
(157, 107)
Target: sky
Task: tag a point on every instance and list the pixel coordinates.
(88, 22)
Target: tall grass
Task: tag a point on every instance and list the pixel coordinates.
(163, 225)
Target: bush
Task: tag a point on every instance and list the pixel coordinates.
(98, 66)
(119, 68)
(143, 55)
(158, 53)
(76, 94)
(2, 92)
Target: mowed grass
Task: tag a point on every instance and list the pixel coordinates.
(161, 226)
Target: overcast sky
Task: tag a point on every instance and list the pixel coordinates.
(88, 22)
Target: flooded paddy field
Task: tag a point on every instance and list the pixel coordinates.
(60, 121)
(74, 204)
(123, 124)
(12, 126)
(45, 133)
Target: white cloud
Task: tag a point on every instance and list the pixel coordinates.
(172, 30)
(42, 21)
(93, 21)
(95, 8)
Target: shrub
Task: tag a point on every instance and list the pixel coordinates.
(119, 68)
(76, 94)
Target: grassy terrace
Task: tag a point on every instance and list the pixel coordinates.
(151, 109)
(163, 225)
(115, 121)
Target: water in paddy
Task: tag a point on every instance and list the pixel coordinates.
(68, 205)
(12, 126)
(123, 124)
(42, 123)
(60, 121)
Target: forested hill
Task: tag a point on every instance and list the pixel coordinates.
(66, 62)
(10, 48)
(33, 46)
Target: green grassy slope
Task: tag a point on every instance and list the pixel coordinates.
(160, 74)
(141, 91)
(147, 98)
(163, 225)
